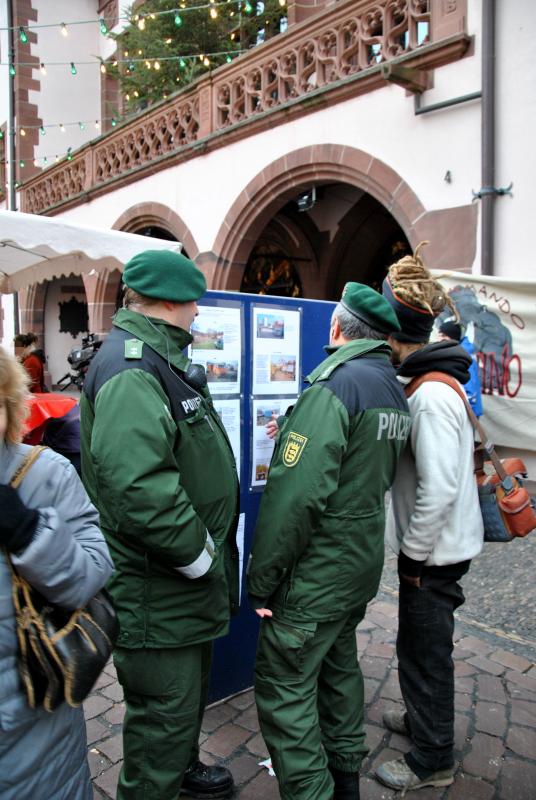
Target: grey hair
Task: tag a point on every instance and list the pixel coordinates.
(354, 328)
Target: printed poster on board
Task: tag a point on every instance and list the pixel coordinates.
(263, 447)
(276, 351)
(217, 345)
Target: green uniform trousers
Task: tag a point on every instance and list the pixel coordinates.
(309, 693)
(165, 695)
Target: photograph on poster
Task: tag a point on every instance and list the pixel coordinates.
(222, 371)
(276, 351)
(270, 326)
(282, 368)
(217, 346)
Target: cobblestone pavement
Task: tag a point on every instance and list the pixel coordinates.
(495, 716)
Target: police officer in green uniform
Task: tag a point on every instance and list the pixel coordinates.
(318, 552)
(158, 465)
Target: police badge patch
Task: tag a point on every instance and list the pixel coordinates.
(294, 448)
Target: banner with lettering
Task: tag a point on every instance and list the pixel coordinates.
(499, 317)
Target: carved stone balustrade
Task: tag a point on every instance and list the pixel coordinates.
(331, 57)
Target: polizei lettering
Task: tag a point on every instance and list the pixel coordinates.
(393, 426)
(192, 404)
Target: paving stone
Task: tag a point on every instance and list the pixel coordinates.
(490, 718)
(374, 735)
(371, 687)
(112, 748)
(523, 742)
(517, 780)
(95, 730)
(108, 781)
(462, 669)
(110, 670)
(262, 787)
(459, 653)
(388, 609)
(525, 681)
(485, 665)
(216, 716)
(248, 719)
(383, 621)
(523, 713)
(484, 758)
(242, 700)
(244, 767)
(518, 693)
(116, 714)
(510, 660)
(374, 667)
(490, 687)
(462, 702)
(391, 688)
(461, 729)
(381, 650)
(225, 740)
(103, 680)
(362, 642)
(371, 789)
(366, 625)
(464, 685)
(113, 691)
(467, 787)
(208, 758)
(474, 645)
(97, 762)
(399, 742)
(257, 746)
(96, 705)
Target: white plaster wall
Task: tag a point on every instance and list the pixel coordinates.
(64, 97)
(516, 138)
(6, 305)
(58, 345)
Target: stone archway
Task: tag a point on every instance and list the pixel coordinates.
(145, 215)
(318, 165)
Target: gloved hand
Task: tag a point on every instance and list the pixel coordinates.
(17, 522)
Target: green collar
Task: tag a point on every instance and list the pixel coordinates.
(165, 339)
(346, 352)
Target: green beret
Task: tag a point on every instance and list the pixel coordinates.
(369, 306)
(165, 275)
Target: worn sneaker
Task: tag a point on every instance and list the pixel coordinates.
(207, 782)
(396, 721)
(398, 775)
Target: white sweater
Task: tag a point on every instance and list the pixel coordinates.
(434, 514)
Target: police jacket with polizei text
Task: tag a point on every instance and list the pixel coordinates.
(158, 465)
(319, 542)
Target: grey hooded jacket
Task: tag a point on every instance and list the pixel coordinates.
(43, 755)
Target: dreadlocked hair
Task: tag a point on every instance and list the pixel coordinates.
(414, 283)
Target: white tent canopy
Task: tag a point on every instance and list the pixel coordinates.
(35, 249)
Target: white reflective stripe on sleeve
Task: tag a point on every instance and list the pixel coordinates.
(202, 563)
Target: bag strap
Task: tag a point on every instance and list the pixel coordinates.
(24, 466)
(486, 443)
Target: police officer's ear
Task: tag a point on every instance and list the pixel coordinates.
(335, 330)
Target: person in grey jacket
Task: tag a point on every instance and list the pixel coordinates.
(51, 531)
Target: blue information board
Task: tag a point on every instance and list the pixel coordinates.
(259, 318)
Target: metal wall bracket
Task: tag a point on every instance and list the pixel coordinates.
(492, 190)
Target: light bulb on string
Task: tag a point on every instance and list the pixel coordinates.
(42, 130)
(228, 59)
(73, 68)
(22, 35)
(206, 61)
(69, 154)
(22, 164)
(148, 64)
(136, 93)
(157, 65)
(141, 23)
(103, 27)
(282, 3)
(63, 29)
(178, 20)
(182, 63)
(213, 13)
(97, 124)
(43, 69)
(248, 8)
(62, 127)
(82, 126)
(103, 68)
(127, 97)
(114, 122)
(12, 70)
(22, 132)
(45, 161)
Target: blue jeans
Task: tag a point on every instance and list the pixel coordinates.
(425, 667)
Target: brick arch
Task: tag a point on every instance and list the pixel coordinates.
(284, 178)
(145, 214)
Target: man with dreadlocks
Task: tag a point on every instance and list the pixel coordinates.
(434, 525)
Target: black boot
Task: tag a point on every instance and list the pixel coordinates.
(346, 784)
(207, 783)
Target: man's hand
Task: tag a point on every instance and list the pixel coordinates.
(272, 428)
(17, 522)
(411, 579)
(263, 612)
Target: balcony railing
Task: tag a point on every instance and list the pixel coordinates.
(339, 52)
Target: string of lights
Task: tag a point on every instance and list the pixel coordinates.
(139, 19)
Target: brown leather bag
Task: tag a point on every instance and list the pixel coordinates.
(506, 506)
